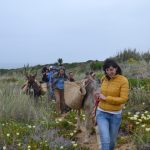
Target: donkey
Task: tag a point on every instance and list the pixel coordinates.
(32, 87)
(88, 106)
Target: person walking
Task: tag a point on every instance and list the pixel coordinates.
(58, 79)
(45, 74)
(112, 97)
(52, 70)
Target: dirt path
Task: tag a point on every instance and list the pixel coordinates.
(80, 137)
(92, 145)
(94, 140)
(128, 146)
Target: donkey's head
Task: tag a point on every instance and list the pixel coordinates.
(91, 86)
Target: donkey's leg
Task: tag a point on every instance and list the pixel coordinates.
(88, 126)
(78, 120)
(87, 132)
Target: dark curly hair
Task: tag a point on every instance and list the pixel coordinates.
(111, 63)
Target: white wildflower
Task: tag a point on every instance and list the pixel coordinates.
(136, 116)
(147, 129)
(74, 131)
(140, 120)
(69, 122)
(137, 123)
(71, 134)
(137, 113)
(143, 125)
(133, 118)
(29, 126)
(17, 133)
(129, 113)
(146, 112)
(60, 119)
(75, 144)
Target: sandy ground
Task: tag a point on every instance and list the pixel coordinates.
(94, 142)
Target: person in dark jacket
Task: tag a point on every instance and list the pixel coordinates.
(45, 74)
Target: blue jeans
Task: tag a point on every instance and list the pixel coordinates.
(108, 125)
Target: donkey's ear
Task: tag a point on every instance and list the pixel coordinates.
(35, 75)
(27, 76)
(25, 72)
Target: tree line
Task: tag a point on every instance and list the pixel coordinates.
(132, 55)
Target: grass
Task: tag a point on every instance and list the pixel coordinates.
(18, 106)
(26, 125)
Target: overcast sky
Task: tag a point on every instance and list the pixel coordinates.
(41, 31)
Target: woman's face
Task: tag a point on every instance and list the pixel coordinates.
(111, 71)
(61, 71)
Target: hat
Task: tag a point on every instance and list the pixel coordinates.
(52, 68)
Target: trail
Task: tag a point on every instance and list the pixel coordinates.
(94, 143)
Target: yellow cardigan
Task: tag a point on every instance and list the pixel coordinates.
(116, 91)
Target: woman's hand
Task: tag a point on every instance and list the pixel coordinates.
(102, 97)
(97, 95)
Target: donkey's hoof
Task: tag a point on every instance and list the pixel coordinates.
(79, 130)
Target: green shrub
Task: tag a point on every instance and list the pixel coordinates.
(139, 83)
(97, 65)
(99, 75)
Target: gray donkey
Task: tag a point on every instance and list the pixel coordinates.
(91, 87)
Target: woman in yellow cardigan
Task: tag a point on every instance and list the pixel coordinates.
(114, 94)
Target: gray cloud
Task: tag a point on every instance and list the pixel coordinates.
(39, 32)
